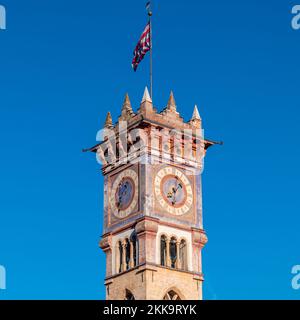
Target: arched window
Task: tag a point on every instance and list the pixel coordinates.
(163, 251)
(173, 252)
(133, 239)
(129, 295)
(127, 250)
(171, 295)
(183, 255)
(120, 257)
(126, 254)
(134, 254)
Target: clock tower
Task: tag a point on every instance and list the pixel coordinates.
(153, 231)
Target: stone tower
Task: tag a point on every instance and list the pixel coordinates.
(153, 231)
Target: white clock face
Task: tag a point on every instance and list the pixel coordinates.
(124, 194)
(173, 191)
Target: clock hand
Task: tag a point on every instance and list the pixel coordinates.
(124, 191)
(176, 187)
(172, 194)
(119, 202)
(179, 187)
(175, 193)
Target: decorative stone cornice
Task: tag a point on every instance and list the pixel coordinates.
(105, 243)
(199, 237)
(147, 225)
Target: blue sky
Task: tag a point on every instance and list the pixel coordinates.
(64, 64)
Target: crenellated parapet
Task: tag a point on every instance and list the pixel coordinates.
(159, 135)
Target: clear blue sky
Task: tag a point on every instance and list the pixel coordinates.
(64, 64)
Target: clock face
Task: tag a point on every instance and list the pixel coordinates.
(124, 195)
(173, 191)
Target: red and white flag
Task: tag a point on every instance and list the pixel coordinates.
(143, 46)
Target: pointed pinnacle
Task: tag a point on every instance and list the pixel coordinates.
(127, 108)
(171, 103)
(108, 121)
(146, 96)
(126, 100)
(196, 114)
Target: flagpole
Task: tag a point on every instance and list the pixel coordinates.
(151, 61)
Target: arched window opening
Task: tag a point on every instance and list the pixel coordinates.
(129, 295)
(163, 251)
(120, 257)
(173, 252)
(127, 251)
(171, 295)
(134, 254)
(183, 255)
(133, 240)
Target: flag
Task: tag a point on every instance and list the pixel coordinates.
(143, 46)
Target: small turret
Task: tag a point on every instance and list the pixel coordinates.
(108, 121)
(146, 104)
(127, 111)
(171, 103)
(196, 119)
(171, 108)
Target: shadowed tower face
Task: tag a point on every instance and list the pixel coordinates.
(153, 231)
